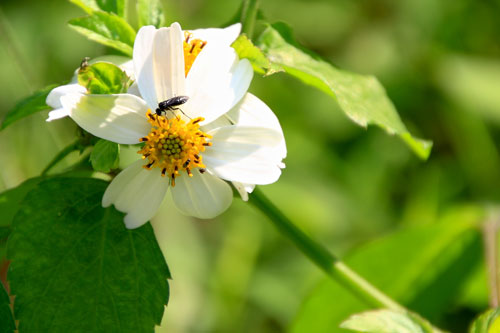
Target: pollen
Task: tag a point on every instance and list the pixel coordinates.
(192, 47)
(174, 146)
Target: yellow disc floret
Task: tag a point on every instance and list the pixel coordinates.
(192, 47)
(174, 145)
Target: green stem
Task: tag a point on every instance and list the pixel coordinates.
(62, 154)
(248, 16)
(332, 266)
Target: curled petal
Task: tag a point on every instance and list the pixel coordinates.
(168, 62)
(143, 64)
(119, 118)
(54, 97)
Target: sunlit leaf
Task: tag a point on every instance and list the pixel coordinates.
(76, 268)
(105, 155)
(28, 106)
(6, 321)
(361, 97)
(150, 12)
(387, 321)
(487, 322)
(421, 267)
(247, 50)
(107, 29)
(110, 6)
(103, 78)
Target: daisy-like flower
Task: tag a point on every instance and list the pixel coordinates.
(220, 134)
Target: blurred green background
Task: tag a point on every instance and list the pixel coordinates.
(344, 185)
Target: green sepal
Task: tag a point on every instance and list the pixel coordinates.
(105, 156)
(103, 78)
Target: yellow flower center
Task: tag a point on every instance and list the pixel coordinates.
(174, 145)
(192, 47)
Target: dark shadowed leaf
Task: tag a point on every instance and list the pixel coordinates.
(76, 268)
(105, 155)
(6, 321)
(361, 97)
(10, 201)
(107, 29)
(29, 105)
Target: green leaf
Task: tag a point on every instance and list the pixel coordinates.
(28, 106)
(105, 156)
(361, 97)
(76, 268)
(247, 50)
(7, 324)
(422, 267)
(150, 12)
(107, 29)
(110, 6)
(487, 322)
(103, 78)
(387, 321)
(11, 200)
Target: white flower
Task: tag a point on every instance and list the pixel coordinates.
(222, 133)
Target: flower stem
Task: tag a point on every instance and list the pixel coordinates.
(332, 266)
(62, 154)
(248, 16)
(490, 235)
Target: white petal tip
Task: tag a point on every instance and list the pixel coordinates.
(57, 114)
(132, 223)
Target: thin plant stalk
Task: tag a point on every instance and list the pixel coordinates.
(318, 254)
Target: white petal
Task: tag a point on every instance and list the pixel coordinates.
(240, 187)
(216, 82)
(244, 154)
(134, 90)
(168, 62)
(143, 64)
(120, 118)
(57, 114)
(251, 111)
(54, 97)
(223, 37)
(137, 192)
(204, 196)
(243, 189)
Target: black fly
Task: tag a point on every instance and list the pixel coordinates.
(170, 104)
